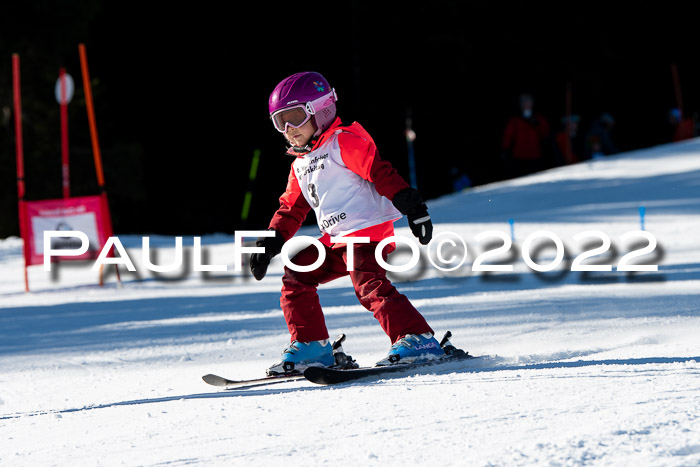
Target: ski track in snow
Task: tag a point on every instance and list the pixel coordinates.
(577, 368)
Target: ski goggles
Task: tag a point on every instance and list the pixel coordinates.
(297, 115)
(291, 116)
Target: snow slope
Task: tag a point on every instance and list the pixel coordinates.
(597, 368)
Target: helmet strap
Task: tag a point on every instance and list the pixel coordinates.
(297, 151)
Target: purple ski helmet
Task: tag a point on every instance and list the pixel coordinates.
(308, 91)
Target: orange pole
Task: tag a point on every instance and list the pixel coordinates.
(91, 118)
(95, 145)
(19, 146)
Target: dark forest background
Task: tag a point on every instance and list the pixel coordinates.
(181, 91)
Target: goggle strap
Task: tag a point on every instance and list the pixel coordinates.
(311, 105)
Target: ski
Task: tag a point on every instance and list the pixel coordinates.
(344, 371)
(220, 381)
(343, 361)
(321, 375)
(324, 375)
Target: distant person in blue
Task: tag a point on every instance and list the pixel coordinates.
(460, 180)
(599, 141)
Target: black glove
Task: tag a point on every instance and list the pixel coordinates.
(260, 261)
(410, 203)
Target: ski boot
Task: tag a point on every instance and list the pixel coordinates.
(412, 348)
(300, 355)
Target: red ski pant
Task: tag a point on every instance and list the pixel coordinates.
(302, 309)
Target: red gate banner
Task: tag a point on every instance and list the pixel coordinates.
(86, 214)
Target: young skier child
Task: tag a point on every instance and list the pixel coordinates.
(338, 173)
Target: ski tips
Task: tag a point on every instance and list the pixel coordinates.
(215, 380)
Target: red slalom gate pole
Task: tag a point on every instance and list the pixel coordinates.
(95, 145)
(64, 134)
(19, 146)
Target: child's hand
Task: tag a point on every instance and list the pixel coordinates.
(421, 225)
(260, 261)
(410, 203)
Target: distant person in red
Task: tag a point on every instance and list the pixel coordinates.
(567, 149)
(524, 139)
(683, 128)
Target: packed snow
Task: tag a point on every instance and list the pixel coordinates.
(576, 368)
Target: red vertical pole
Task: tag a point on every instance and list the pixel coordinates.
(19, 146)
(64, 133)
(95, 144)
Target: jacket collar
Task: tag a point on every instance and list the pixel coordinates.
(315, 142)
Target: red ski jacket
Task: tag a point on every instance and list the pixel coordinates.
(359, 154)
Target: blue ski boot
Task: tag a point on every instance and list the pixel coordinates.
(301, 355)
(413, 348)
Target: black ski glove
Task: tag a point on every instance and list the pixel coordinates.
(410, 203)
(260, 261)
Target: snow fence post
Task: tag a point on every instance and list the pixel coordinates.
(512, 229)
